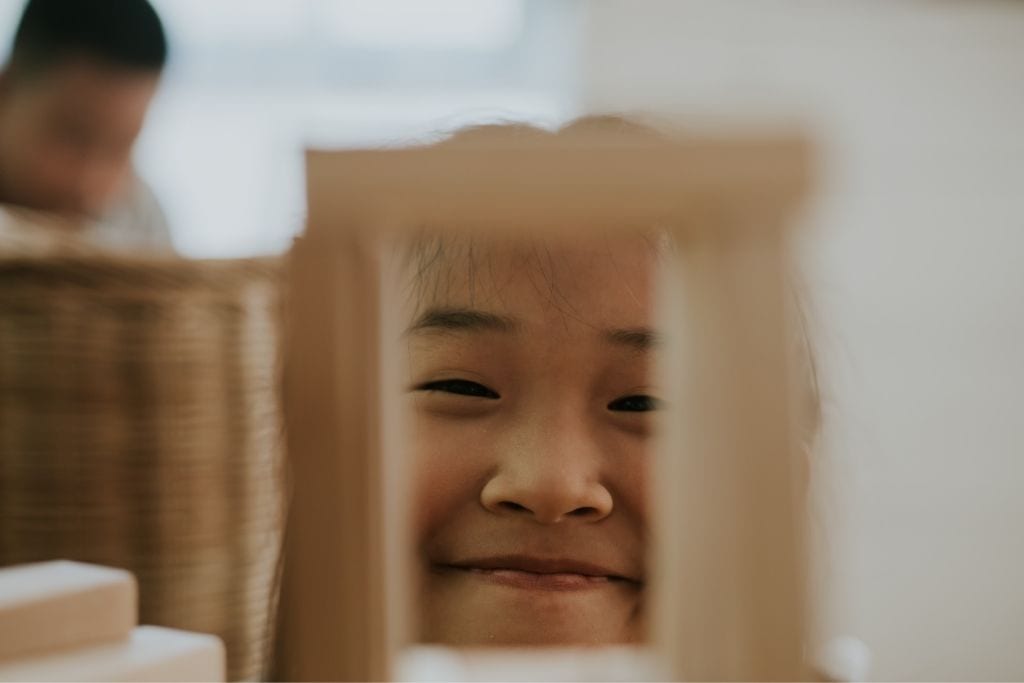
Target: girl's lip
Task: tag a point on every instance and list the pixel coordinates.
(540, 573)
(555, 581)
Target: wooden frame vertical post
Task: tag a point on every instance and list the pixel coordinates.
(333, 624)
(730, 522)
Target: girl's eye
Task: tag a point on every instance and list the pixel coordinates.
(461, 387)
(635, 404)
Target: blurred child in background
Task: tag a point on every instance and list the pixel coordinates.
(73, 98)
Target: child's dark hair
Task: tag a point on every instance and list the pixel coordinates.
(124, 33)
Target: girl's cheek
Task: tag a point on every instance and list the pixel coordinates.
(450, 463)
(629, 477)
(638, 491)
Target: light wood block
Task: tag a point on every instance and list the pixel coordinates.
(58, 605)
(150, 653)
(335, 616)
(731, 512)
(433, 663)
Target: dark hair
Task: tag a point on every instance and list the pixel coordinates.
(125, 33)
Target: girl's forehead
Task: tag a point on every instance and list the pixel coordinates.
(473, 262)
(605, 279)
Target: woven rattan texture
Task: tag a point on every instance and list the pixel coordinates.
(140, 427)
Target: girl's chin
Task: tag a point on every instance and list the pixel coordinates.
(538, 637)
(545, 620)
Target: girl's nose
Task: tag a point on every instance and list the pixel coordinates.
(554, 480)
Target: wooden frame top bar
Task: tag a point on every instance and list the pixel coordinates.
(540, 186)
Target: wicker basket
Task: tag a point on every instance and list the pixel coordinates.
(140, 427)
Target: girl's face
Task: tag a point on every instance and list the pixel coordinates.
(532, 402)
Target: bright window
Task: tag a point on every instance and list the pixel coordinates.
(252, 82)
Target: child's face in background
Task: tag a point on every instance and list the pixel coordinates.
(66, 135)
(532, 399)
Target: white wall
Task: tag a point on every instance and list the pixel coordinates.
(916, 267)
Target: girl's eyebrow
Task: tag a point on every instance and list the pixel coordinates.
(462, 320)
(637, 338)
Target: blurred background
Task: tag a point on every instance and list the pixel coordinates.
(250, 83)
(913, 249)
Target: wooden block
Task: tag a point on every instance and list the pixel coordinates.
(433, 663)
(520, 188)
(730, 557)
(58, 605)
(334, 613)
(150, 653)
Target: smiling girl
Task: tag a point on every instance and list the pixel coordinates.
(533, 401)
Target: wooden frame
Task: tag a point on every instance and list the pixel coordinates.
(729, 565)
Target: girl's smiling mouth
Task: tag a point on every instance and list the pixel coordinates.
(535, 573)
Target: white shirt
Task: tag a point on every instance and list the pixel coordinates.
(135, 223)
